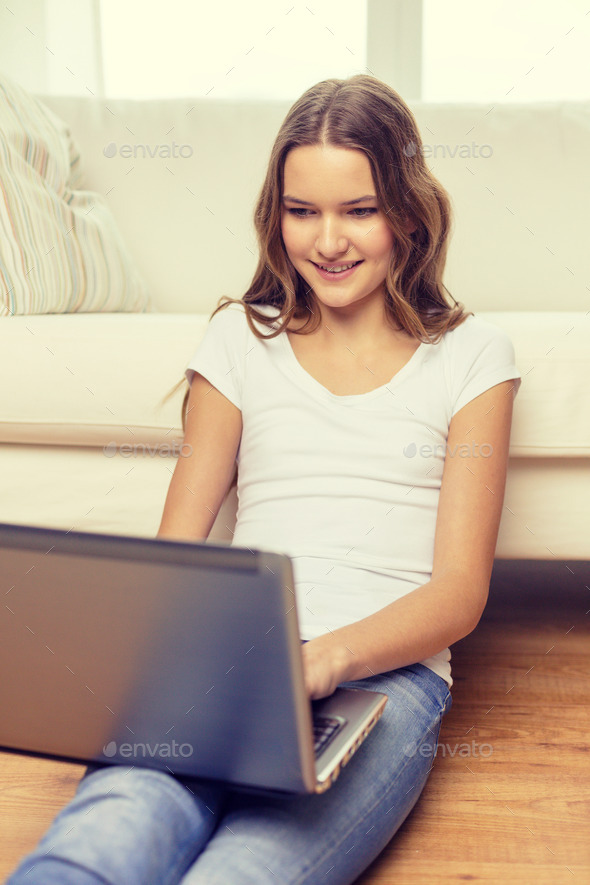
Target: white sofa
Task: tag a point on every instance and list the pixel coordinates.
(85, 440)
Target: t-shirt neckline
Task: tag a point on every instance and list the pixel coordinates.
(314, 386)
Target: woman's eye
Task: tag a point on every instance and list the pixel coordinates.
(358, 213)
(365, 212)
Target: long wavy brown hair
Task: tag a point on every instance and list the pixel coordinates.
(364, 114)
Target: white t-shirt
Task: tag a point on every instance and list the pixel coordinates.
(347, 486)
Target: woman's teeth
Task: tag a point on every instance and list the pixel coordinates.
(338, 269)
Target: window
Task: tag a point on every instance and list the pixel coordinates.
(430, 50)
(505, 50)
(266, 49)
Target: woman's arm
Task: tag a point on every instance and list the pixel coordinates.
(203, 476)
(449, 606)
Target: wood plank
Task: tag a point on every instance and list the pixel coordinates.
(32, 792)
(423, 870)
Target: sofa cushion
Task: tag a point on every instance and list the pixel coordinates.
(95, 380)
(552, 408)
(60, 249)
(545, 513)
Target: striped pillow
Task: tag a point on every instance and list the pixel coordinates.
(60, 250)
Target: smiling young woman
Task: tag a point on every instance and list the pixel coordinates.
(343, 350)
(338, 239)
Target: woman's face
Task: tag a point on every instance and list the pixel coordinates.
(334, 232)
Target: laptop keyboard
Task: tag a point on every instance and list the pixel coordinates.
(324, 729)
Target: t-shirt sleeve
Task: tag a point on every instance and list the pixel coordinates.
(220, 355)
(482, 356)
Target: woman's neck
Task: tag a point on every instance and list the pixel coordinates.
(364, 327)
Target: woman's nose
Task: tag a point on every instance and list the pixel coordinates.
(331, 241)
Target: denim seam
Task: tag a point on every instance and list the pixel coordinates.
(74, 864)
(185, 855)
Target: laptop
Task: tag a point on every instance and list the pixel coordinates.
(182, 656)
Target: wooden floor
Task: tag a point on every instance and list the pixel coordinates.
(508, 800)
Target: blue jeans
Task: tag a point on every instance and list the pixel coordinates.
(138, 826)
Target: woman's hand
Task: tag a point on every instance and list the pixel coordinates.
(324, 666)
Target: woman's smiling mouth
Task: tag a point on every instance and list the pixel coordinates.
(336, 271)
